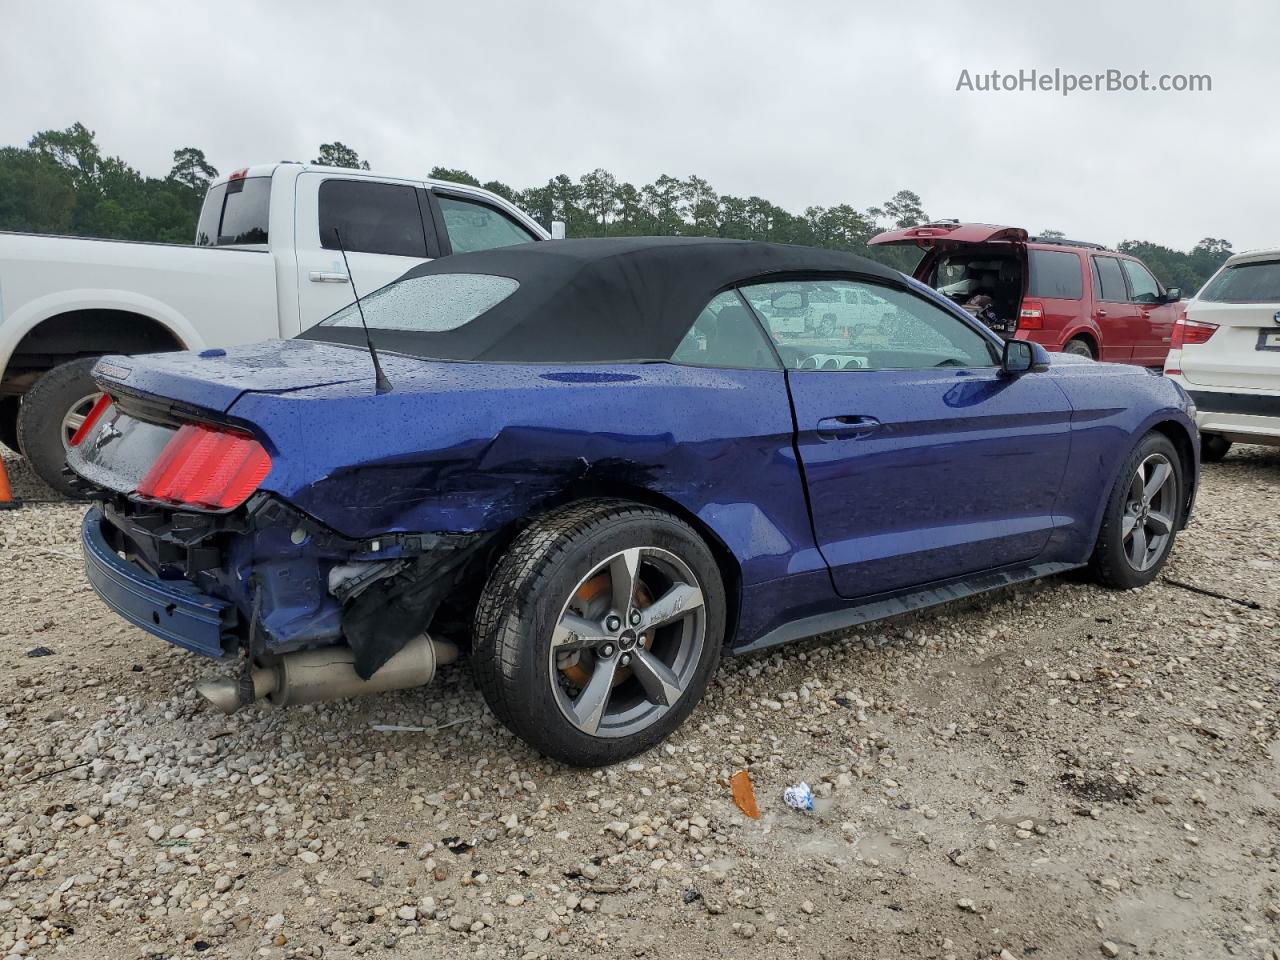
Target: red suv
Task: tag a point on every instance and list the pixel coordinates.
(1076, 297)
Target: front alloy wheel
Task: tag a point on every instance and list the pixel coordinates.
(1149, 511)
(598, 630)
(1141, 516)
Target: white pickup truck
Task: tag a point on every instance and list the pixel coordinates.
(265, 263)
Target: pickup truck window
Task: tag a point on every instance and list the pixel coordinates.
(235, 212)
(474, 226)
(373, 218)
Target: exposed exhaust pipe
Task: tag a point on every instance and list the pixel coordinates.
(311, 676)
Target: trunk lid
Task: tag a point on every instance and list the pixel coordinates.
(156, 395)
(1239, 354)
(1243, 301)
(948, 234)
(213, 380)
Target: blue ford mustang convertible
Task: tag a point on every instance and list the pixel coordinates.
(595, 465)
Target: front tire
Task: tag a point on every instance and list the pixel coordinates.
(50, 412)
(598, 631)
(1213, 447)
(1142, 516)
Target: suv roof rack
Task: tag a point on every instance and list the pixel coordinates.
(1064, 242)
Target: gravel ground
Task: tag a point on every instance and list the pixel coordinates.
(1052, 771)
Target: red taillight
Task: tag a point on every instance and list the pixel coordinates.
(94, 415)
(206, 467)
(1031, 316)
(239, 174)
(1187, 332)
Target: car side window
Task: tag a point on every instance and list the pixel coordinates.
(1054, 274)
(1108, 280)
(372, 218)
(882, 329)
(725, 334)
(474, 226)
(1143, 286)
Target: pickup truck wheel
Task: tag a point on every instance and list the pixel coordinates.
(598, 630)
(1213, 447)
(9, 422)
(1141, 518)
(50, 413)
(1080, 348)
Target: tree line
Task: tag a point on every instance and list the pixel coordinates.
(62, 183)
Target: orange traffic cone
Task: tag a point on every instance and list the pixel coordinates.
(7, 500)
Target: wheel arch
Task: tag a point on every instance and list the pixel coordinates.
(115, 322)
(1179, 434)
(726, 562)
(1089, 336)
(1184, 443)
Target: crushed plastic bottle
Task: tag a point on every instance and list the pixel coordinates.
(799, 797)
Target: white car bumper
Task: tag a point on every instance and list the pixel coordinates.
(1239, 416)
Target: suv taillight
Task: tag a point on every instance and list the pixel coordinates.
(1190, 331)
(204, 466)
(1031, 316)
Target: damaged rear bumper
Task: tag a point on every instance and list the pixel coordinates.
(269, 581)
(173, 610)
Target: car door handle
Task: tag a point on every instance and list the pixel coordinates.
(323, 276)
(1100, 314)
(846, 428)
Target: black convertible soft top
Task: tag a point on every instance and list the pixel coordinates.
(600, 300)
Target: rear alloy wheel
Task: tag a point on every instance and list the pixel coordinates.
(1080, 348)
(1213, 447)
(1142, 516)
(50, 414)
(598, 631)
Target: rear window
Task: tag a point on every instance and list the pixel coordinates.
(1245, 283)
(1055, 274)
(431, 304)
(235, 213)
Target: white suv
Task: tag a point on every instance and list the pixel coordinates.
(1225, 352)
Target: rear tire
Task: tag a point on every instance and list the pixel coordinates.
(1080, 348)
(46, 416)
(1213, 447)
(543, 641)
(1141, 517)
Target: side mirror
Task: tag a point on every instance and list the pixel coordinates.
(1023, 356)
(1173, 295)
(557, 229)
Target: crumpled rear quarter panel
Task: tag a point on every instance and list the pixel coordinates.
(464, 447)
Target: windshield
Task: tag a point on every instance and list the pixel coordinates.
(1245, 283)
(431, 304)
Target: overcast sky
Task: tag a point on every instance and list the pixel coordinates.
(801, 103)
